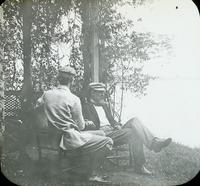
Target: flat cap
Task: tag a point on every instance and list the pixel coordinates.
(67, 70)
(97, 86)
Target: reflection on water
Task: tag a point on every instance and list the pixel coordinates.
(170, 109)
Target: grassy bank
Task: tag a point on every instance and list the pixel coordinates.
(177, 162)
(175, 165)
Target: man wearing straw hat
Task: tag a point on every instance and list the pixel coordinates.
(132, 132)
(63, 111)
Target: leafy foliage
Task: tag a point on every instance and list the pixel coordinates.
(56, 22)
(46, 34)
(12, 42)
(124, 51)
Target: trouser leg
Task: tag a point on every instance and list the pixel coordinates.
(126, 136)
(91, 155)
(97, 132)
(142, 132)
(137, 150)
(97, 159)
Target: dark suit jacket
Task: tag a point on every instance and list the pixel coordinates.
(90, 113)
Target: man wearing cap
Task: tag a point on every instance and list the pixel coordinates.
(63, 111)
(97, 109)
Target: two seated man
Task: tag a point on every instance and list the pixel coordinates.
(64, 111)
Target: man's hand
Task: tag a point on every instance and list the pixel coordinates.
(89, 125)
(88, 122)
(118, 127)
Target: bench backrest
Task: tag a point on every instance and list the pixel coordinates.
(48, 137)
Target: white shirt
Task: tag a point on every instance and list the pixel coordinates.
(102, 116)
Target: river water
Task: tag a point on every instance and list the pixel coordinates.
(170, 109)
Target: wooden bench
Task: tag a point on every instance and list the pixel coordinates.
(44, 139)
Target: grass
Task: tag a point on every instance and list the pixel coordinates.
(177, 162)
(175, 165)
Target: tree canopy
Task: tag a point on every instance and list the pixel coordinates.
(68, 22)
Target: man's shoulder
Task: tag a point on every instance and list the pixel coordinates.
(57, 90)
(49, 92)
(59, 93)
(76, 98)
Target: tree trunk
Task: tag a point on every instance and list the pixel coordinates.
(95, 40)
(27, 88)
(2, 127)
(86, 35)
(90, 44)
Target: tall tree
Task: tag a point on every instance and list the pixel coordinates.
(46, 28)
(1, 86)
(86, 41)
(27, 89)
(47, 33)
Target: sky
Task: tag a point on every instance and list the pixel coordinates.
(171, 107)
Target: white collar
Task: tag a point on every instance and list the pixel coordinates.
(64, 87)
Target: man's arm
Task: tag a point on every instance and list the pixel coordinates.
(90, 116)
(110, 117)
(39, 102)
(77, 114)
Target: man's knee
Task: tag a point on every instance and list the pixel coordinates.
(133, 122)
(101, 133)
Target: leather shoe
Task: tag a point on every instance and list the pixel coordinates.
(143, 170)
(159, 144)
